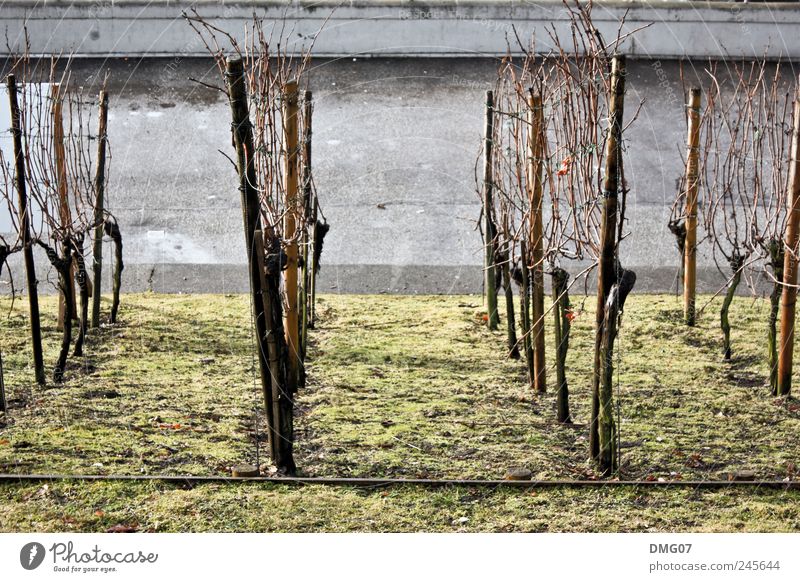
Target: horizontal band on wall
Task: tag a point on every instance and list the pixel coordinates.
(110, 28)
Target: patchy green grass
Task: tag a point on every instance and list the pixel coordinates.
(418, 387)
(398, 386)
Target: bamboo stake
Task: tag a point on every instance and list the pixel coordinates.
(25, 232)
(606, 276)
(789, 295)
(692, 180)
(291, 202)
(61, 181)
(489, 268)
(242, 131)
(536, 236)
(99, 222)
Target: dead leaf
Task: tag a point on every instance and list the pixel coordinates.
(123, 528)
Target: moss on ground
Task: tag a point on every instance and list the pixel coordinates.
(398, 386)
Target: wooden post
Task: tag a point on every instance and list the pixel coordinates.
(314, 267)
(248, 187)
(525, 313)
(606, 276)
(692, 180)
(291, 210)
(65, 214)
(789, 295)
(308, 227)
(25, 232)
(99, 220)
(489, 269)
(3, 402)
(536, 235)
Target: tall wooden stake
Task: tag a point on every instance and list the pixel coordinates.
(489, 268)
(308, 228)
(536, 235)
(525, 313)
(314, 267)
(99, 220)
(292, 209)
(245, 150)
(692, 171)
(25, 232)
(61, 182)
(607, 276)
(3, 402)
(789, 295)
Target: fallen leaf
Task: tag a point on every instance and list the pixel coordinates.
(122, 528)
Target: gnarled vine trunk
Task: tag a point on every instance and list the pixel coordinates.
(736, 263)
(776, 259)
(511, 320)
(82, 278)
(561, 315)
(112, 230)
(678, 229)
(62, 266)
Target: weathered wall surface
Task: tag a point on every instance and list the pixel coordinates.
(402, 133)
(405, 28)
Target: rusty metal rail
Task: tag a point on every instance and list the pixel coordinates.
(431, 483)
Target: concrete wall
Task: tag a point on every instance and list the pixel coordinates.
(403, 28)
(396, 139)
(404, 134)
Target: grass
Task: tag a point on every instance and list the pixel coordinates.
(398, 386)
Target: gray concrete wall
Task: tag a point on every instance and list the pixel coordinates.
(403, 28)
(400, 133)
